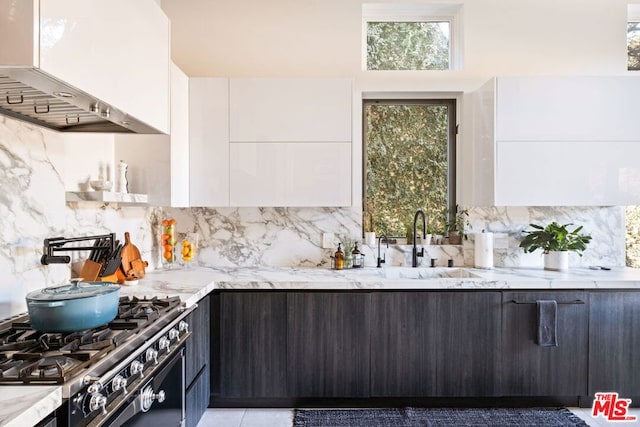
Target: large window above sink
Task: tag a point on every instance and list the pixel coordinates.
(409, 163)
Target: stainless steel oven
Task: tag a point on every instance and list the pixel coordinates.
(157, 401)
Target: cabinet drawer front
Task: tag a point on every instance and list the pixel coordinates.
(290, 174)
(300, 110)
(567, 108)
(556, 173)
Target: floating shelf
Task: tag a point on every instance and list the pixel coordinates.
(106, 197)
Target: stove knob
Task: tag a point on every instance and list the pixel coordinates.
(173, 334)
(183, 327)
(151, 355)
(95, 387)
(119, 383)
(136, 368)
(163, 343)
(148, 396)
(98, 401)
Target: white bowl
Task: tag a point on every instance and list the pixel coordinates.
(101, 185)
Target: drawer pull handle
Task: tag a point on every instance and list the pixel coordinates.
(559, 303)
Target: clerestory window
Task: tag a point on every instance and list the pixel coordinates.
(411, 36)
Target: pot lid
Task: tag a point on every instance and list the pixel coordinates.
(76, 289)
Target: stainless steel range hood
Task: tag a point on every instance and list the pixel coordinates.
(30, 94)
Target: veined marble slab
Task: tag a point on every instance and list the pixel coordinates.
(27, 405)
(193, 284)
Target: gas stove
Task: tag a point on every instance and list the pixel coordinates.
(100, 369)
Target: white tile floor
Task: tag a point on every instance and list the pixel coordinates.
(284, 418)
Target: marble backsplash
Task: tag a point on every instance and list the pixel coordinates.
(291, 237)
(32, 208)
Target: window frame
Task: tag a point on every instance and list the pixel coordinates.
(633, 16)
(451, 103)
(416, 12)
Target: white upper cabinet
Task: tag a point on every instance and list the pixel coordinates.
(159, 164)
(290, 174)
(270, 142)
(552, 141)
(290, 110)
(567, 109)
(209, 141)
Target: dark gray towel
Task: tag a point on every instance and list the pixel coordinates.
(547, 323)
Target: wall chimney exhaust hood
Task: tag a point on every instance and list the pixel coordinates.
(85, 65)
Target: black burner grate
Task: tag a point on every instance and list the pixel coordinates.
(29, 356)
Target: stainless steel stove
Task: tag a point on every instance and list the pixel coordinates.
(110, 375)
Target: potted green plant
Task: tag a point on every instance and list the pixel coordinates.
(347, 246)
(556, 241)
(456, 226)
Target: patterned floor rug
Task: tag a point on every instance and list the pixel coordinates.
(437, 417)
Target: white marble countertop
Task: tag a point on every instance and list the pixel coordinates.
(29, 404)
(404, 278)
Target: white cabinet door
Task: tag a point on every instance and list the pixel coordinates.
(290, 174)
(567, 108)
(553, 141)
(567, 173)
(209, 141)
(116, 50)
(159, 164)
(179, 138)
(290, 110)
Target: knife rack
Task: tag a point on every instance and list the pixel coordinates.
(55, 245)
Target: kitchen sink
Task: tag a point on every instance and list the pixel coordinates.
(427, 273)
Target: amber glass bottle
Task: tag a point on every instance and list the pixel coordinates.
(339, 258)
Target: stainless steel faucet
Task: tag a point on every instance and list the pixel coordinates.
(414, 253)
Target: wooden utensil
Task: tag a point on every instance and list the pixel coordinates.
(90, 271)
(132, 264)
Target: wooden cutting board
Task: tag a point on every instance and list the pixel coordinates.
(132, 264)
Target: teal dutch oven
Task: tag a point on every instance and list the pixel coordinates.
(73, 307)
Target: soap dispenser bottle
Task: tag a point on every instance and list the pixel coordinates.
(357, 257)
(339, 258)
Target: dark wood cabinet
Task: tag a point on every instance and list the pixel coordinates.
(403, 357)
(328, 344)
(253, 344)
(197, 363)
(197, 348)
(529, 369)
(197, 398)
(614, 343)
(435, 344)
(468, 343)
(275, 346)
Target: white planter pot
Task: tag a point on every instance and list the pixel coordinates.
(370, 238)
(556, 261)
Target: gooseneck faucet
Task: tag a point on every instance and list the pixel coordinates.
(380, 260)
(414, 253)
